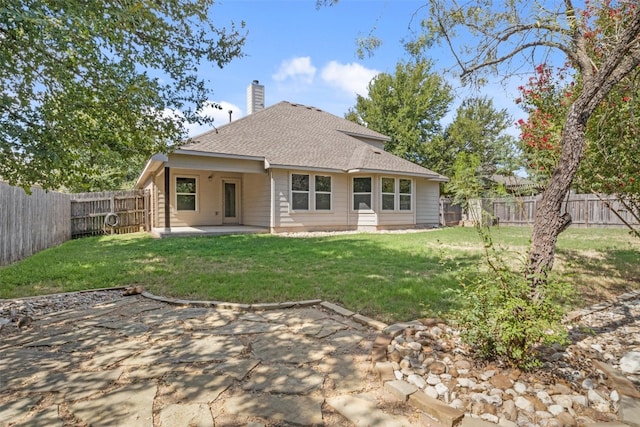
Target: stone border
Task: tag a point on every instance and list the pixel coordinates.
(83, 291)
(577, 314)
(363, 320)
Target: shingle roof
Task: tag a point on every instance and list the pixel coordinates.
(293, 135)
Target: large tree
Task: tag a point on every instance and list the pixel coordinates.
(407, 105)
(487, 36)
(479, 128)
(86, 86)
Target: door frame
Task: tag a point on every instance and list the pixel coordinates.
(236, 219)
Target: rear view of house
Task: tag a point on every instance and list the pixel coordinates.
(288, 168)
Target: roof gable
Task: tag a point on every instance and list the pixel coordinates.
(293, 135)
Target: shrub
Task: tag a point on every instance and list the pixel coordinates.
(500, 316)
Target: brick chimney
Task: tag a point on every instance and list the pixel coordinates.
(255, 97)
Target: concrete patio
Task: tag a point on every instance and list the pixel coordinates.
(207, 230)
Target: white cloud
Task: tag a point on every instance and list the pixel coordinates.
(297, 69)
(352, 78)
(220, 117)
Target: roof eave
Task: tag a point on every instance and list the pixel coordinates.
(221, 155)
(153, 164)
(304, 168)
(430, 176)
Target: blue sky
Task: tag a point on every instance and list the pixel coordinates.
(308, 56)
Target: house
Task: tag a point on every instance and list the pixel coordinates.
(290, 168)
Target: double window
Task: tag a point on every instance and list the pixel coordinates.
(186, 194)
(306, 188)
(396, 194)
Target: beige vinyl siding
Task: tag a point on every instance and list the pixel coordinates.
(427, 203)
(365, 220)
(396, 220)
(208, 195)
(207, 200)
(219, 165)
(158, 182)
(286, 219)
(150, 186)
(256, 199)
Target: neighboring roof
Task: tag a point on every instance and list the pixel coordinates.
(293, 136)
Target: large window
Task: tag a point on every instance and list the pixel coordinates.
(300, 192)
(307, 188)
(323, 193)
(405, 194)
(361, 194)
(186, 194)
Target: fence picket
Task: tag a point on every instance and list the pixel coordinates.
(587, 210)
(31, 223)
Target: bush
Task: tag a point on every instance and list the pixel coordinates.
(501, 317)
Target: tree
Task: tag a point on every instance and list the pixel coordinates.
(407, 106)
(479, 129)
(612, 157)
(506, 35)
(88, 86)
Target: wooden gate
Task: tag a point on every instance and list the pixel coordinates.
(109, 212)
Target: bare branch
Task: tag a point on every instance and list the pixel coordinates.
(513, 53)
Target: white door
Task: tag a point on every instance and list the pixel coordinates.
(231, 208)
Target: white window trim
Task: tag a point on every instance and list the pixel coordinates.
(406, 194)
(370, 193)
(175, 197)
(311, 193)
(396, 195)
(396, 205)
(330, 193)
(292, 192)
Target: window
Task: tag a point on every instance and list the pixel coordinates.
(396, 194)
(388, 194)
(405, 194)
(323, 193)
(361, 194)
(300, 192)
(186, 194)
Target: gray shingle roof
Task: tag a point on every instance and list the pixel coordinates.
(296, 136)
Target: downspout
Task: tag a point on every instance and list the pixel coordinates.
(167, 198)
(272, 216)
(414, 201)
(349, 200)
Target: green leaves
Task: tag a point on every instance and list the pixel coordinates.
(407, 106)
(497, 314)
(89, 86)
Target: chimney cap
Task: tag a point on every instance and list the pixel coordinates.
(255, 82)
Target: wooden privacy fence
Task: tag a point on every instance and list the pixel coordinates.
(116, 212)
(450, 214)
(586, 210)
(31, 222)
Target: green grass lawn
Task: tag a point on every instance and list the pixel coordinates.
(390, 277)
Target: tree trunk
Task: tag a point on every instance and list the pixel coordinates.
(550, 221)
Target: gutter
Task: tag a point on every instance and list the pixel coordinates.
(153, 165)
